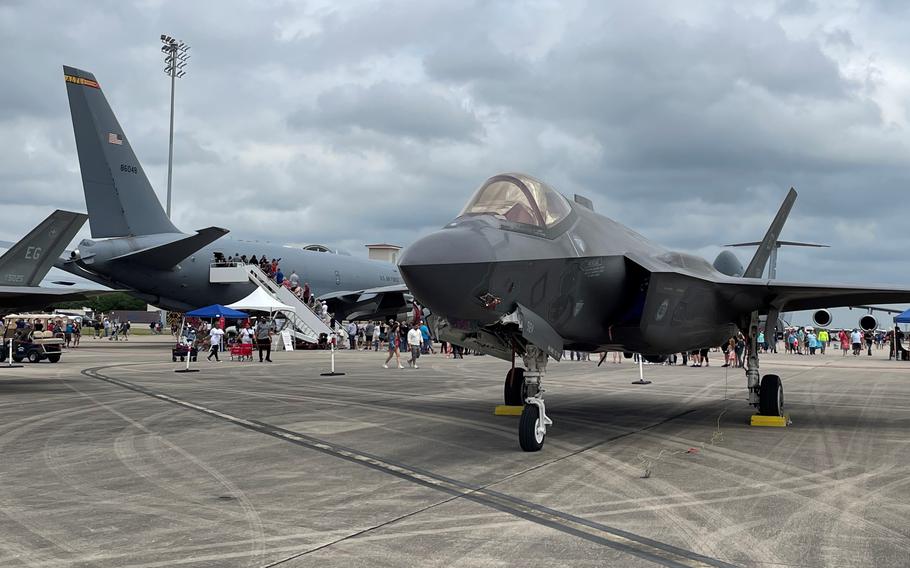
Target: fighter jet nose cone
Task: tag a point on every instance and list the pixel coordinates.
(449, 246)
(448, 270)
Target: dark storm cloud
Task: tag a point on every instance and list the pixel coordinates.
(394, 110)
(660, 93)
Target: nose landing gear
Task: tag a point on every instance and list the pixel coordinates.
(532, 428)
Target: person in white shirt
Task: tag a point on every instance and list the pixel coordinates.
(352, 335)
(375, 337)
(215, 335)
(246, 334)
(856, 339)
(415, 340)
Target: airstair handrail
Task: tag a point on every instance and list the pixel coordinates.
(307, 325)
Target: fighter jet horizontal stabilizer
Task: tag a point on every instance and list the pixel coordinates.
(169, 254)
(779, 244)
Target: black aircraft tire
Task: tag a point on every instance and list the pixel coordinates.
(514, 386)
(527, 426)
(34, 356)
(771, 396)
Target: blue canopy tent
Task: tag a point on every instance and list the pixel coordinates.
(213, 311)
(897, 350)
(216, 311)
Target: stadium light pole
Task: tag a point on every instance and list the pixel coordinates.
(175, 58)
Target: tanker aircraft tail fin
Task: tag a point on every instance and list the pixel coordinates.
(118, 195)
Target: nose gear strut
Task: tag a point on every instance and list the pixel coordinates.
(532, 428)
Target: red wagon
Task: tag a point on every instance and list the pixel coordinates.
(243, 351)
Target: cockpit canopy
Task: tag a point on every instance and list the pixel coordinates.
(519, 198)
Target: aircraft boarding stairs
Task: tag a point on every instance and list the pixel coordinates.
(305, 325)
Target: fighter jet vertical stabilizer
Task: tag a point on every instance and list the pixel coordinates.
(27, 262)
(769, 243)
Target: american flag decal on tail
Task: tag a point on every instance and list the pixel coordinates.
(114, 138)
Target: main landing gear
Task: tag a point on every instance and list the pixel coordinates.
(514, 387)
(523, 387)
(766, 394)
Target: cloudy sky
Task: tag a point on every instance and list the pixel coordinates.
(353, 122)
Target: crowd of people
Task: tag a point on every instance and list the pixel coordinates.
(272, 269)
(65, 328)
(113, 329)
(796, 341)
(414, 339)
(214, 337)
(808, 341)
(71, 328)
(395, 338)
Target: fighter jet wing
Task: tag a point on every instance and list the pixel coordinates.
(33, 297)
(371, 303)
(367, 294)
(794, 296)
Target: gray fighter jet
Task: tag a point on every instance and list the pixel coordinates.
(27, 262)
(135, 246)
(523, 270)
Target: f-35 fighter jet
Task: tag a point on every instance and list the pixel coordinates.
(522, 270)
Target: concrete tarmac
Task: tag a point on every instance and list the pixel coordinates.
(109, 458)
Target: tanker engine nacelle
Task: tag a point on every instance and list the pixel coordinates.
(868, 323)
(821, 318)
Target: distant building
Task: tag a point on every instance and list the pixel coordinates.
(384, 252)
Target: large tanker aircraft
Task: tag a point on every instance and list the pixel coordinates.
(135, 246)
(523, 270)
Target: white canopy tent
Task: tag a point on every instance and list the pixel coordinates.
(261, 301)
